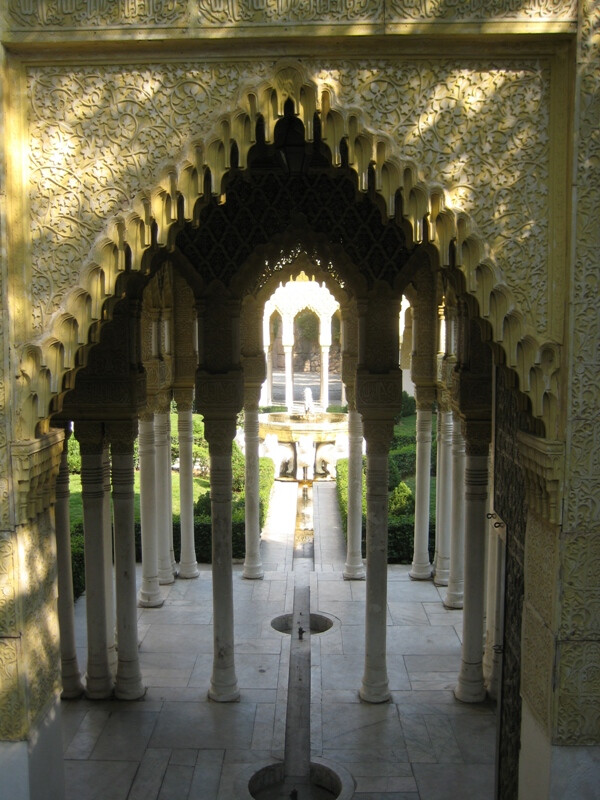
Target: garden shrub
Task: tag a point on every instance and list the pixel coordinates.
(401, 501)
(405, 461)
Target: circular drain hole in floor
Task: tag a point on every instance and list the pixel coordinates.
(319, 623)
(269, 784)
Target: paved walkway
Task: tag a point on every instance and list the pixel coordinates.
(178, 745)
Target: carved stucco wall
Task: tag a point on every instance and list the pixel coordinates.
(577, 708)
(27, 14)
(99, 135)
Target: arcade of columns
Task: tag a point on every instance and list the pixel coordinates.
(487, 153)
(168, 348)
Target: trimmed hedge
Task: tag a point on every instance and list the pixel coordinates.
(202, 528)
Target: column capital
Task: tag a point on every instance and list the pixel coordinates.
(543, 465)
(425, 397)
(121, 435)
(91, 437)
(378, 395)
(477, 434)
(378, 433)
(219, 396)
(162, 401)
(184, 398)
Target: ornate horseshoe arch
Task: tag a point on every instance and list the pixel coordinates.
(156, 215)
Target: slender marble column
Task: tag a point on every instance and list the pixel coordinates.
(188, 565)
(324, 377)
(421, 567)
(378, 434)
(268, 384)
(494, 618)
(354, 569)
(109, 572)
(219, 434)
(128, 682)
(253, 568)
(443, 516)
(99, 680)
(149, 595)
(169, 473)
(289, 377)
(71, 679)
(455, 592)
(162, 445)
(470, 687)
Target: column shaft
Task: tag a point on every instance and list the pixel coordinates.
(421, 567)
(252, 564)
(109, 572)
(470, 687)
(443, 516)
(164, 515)
(375, 687)
(223, 684)
(324, 377)
(455, 592)
(128, 684)
(71, 678)
(188, 565)
(99, 682)
(289, 377)
(149, 594)
(354, 569)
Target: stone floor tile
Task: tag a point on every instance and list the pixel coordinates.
(407, 640)
(86, 737)
(149, 776)
(176, 782)
(72, 714)
(408, 613)
(385, 784)
(207, 775)
(126, 735)
(184, 757)
(360, 727)
(167, 638)
(204, 725)
(416, 738)
(99, 780)
(452, 781)
(264, 725)
(476, 738)
(443, 740)
(161, 669)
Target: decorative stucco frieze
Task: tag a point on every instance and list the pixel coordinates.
(82, 14)
(578, 692)
(99, 137)
(13, 719)
(8, 608)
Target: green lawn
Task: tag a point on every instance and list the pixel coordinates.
(201, 485)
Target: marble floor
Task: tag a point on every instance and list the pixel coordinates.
(177, 745)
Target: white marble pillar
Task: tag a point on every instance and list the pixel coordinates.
(149, 595)
(219, 434)
(494, 618)
(289, 377)
(375, 688)
(354, 568)
(99, 680)
(324, 377)
(128, 682)
(188, 565)
(109, 572)
(72, 686)
(253, 568)
(421, 566)
(162, 446)
(169, 471)
(470, 687)
(443, 515)
(455, 592)
(267, 390)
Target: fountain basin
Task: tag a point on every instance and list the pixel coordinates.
(304, 445)
(327, 780)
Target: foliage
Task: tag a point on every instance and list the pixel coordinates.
(238, 468)
(271, 409)
(404, 463)
(401, 500)
(78, 561)
(73, 456)
(409, 405)
(337, 409)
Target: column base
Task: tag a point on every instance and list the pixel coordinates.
(441, 578)
(72, 686)
(354, 572)
(98, 688)
(224, 694)
(165, 578)
(420, 572)
(129, 688)
(453, 600)
(150, 599)
(470, 687)
(253, 572)
(188, 571)
(375, 694)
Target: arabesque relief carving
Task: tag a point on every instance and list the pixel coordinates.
(99, 137)
(87, 13)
